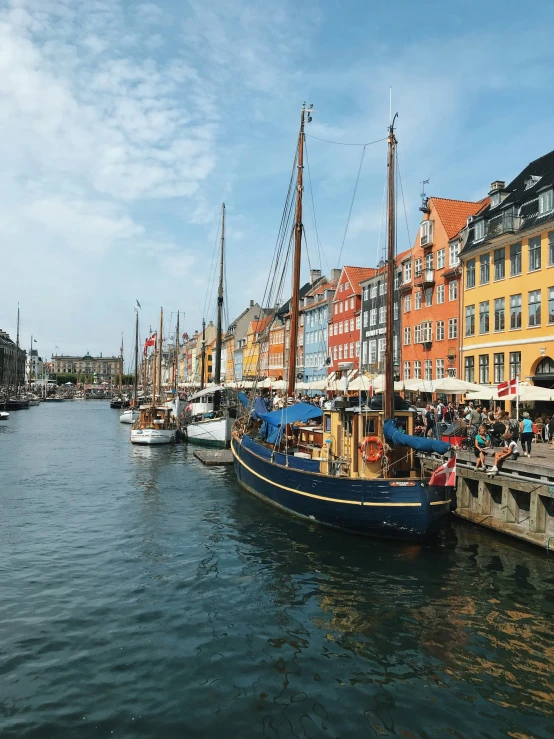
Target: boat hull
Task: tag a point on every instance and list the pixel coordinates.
(211, 431)
(402, 509)
(129, 416)
(152, 437)
(17, 405)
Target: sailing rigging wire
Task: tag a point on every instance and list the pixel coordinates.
(351, 206)
(343, 143)
(321, 253)
(211, 277)
(411, 246)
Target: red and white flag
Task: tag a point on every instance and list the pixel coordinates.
(150, 342)
(445, 475)
(507, 388)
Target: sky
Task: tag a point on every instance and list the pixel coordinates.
(124, 125)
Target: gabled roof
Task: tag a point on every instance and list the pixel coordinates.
(285, 308)
(356, 275)
(454, 213)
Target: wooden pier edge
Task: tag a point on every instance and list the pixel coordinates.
(214, 457)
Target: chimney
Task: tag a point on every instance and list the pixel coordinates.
(315, 275)
(335, 275)
(251, 303)
(497, 185)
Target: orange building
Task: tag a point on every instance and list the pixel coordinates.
(430, 292)
(276, 360)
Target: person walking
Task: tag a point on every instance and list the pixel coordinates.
(429, 418)
(526, 434)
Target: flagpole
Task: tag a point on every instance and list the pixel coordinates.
(517, 397)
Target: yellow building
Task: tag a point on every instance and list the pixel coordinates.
(251, 349)
(508, 277)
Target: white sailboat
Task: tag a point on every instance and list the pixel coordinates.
(156, 423)
(210, 421)
(130, 415)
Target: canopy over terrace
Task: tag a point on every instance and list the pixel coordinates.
(527, 393)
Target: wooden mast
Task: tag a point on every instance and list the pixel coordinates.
(203, 362)
(135, 393)
(176, 358)
(16, 378)
(160, 345)
(217, 370)
(295, 299)
(389, 276)
(153, 372)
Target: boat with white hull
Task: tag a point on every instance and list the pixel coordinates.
(153, 436)
(129, 416)
(208, 417)
(211, 431)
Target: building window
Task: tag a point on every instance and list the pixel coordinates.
(440, 259)
(498, 368)
(364, 353)
(383, 314)
(395, 311)
(452, 328)
(335, 350)
(340, 307)
(485, 275)
(469, 369)
(417, 334)
(418, 263)
(470, 320)
(417, 369)
(551, 305)
(499, 314)
(545, 202)
(515, 311)
(407, 271)
(453, 290)
(407, 303)
(373, 291)
(534, 303)
(499, 264)
(340, 351)
(352, 350)
(366, 293)
(429, 297)
(351, 324)
(515, 259)
(427, 331)
(340, 327)
(373, 317)
(357, 348)
(351, 303)
(479, 232)
(534, 253)
(440, 294)
(382, 287)
(440, 369)
(440, 330)
(428, 369)
(515, 364)
(358, 323)
(470, 273)
(453, 258)
(484, 369)
(484, 317)
(406, 370)
(407, 335)
(417, 300)
(366, 316)
(372, 352)
(336, 308)
(429, 261)
(426, 232)
(382, 346)
(551, 249)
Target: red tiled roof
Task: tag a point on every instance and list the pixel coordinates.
(358, 274)
(402, 255)
(258, 326)
(454, 213)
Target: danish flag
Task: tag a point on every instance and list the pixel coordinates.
(507, 388)
(445, 475)
(150, 342)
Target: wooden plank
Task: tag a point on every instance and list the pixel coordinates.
(214, 457)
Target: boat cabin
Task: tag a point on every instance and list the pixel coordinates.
(155, 417)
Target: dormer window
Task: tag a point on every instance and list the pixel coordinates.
(426, 233)
(479, 230)
(495, 199)
(532, 181)
(546, 201)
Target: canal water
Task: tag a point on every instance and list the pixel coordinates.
(144, 595)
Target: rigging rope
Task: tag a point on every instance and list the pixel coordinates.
(351, 206)
(342, 143)
(321, 253)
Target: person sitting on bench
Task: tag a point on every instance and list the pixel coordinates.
(509, 452)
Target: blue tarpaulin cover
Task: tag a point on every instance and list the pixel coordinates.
(243, 397)
(260, 408)
(275, 422)
(420, 443)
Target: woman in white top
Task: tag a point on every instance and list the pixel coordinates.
(509, 451)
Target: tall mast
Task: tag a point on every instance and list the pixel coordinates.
(160, 345)
(295, 299)
(203, 363)
(176, 358)
(136, 363)
(16, 378)
(391, 243)
(153, 372)
(31, 363)
(121, 368)
(217, 372)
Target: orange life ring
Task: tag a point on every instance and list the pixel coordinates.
(372, 449)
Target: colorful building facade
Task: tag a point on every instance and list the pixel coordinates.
(508, 270)
(344, 321)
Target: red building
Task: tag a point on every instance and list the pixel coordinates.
(345, 320)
